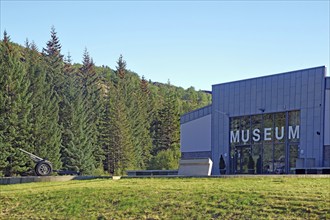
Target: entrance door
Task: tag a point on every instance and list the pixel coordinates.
(242, 158)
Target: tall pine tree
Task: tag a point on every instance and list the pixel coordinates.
(117, 133)
(122, 154)
(55, 77)
(45, 132)
(54, 60)
(77, 154)
(142, 124)
(90, 82)
(136, 104)
(105, 138)
(166, 135)
(15, 107)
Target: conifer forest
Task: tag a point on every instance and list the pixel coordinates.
(92, 119)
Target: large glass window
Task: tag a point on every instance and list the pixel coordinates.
(273, 140)
(293, 155)
(256, 128)
(242, 161)
(245, 132)
(268, 128)
(279, 126)
(234, 128)
(294, 122)
(257, 157)
(268, 166)
(279, 158)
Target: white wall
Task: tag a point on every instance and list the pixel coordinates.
(327, 118)
(196, 135)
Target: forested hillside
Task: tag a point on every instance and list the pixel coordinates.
(86, 118)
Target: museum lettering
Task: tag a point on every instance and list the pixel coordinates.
(267, 134)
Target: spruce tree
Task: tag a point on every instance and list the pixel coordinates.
(54, 72)
(90, 82)
(121, 143)
(142, 124)
(55, 78)
(135, 97)
(43, 118)
(52, 52)
(115, 135)
(166, 128)
(77, 152)
(121, 68)
(15, 107)
(117, 141)
(54, 60)
(106, 137)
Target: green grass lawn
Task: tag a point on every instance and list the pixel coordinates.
(174, 198)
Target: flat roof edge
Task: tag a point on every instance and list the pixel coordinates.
(196, 114)
(195, 110)
(259, 77)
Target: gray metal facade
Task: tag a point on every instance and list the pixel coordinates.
(191, 116)
(302, 90)
(198, 113)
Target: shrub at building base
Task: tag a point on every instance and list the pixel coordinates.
(222, 165)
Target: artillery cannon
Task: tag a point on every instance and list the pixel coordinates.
(43, 167)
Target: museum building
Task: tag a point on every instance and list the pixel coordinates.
(278, 123)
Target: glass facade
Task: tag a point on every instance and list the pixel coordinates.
(265, 143)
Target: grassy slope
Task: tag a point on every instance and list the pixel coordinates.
(232, 198)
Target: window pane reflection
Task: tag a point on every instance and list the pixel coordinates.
(279, 127)
(293, 155)
(256, 128)
(294, 120)
(245, 130)
(268, 159)
(279, 158)
(268, 128)
(257, 157)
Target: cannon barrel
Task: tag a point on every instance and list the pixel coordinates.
(35, 158)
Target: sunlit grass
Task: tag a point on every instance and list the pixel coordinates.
(175, 198)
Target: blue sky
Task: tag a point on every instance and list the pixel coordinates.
(190, 43)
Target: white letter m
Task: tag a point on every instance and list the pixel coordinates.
(234, 137)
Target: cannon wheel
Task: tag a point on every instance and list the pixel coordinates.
(43, 168)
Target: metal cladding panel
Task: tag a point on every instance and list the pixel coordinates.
(327, 118)
(195, 135)
(298, 96)
(247, 99)
(253, 94)
(282, 93)
(302, 90)
(231, 106)
(328, 83)
(215, 124)
(236, 100)
(259, 94)
(241, 99)
(274, 90)
(292, 92)
(268, 93)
